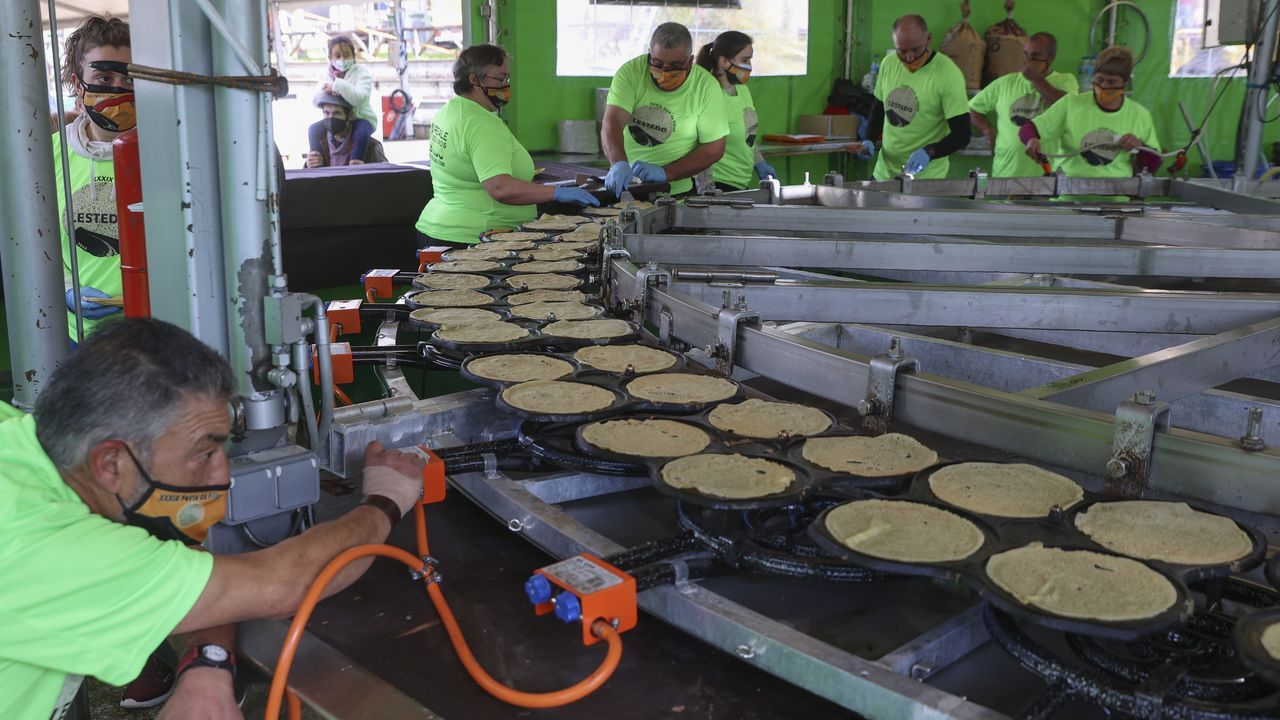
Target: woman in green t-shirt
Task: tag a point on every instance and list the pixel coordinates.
(729, 60)
(1102, 133)
(481, 175)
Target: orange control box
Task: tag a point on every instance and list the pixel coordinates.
(430, 255)
(379, 282)
(344, 371)
(433, 483)
(345, 314)
(603, 591)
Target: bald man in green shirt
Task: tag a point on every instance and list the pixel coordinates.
(921, 95)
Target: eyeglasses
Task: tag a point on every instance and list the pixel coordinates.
(503, 82)
(1108, 85)
(656, 64)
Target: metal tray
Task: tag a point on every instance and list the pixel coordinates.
(581, 444)
(833, 428)
(499, 385)
(617, 407)
(644, 405)
(1248, 638)
(801, 487)
(533, 340)
(563, 342)
(839, 483)
(432, 327)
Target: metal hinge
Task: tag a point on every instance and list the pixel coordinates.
(882, 375)
(725, 351)
(649, 276)
(1137, 420)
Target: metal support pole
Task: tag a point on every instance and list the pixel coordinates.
(848, 39)
(1259, 79)
(30, 252)
(247, 238)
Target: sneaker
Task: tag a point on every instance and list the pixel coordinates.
(152, 686)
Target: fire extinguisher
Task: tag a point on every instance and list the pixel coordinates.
(133, 235)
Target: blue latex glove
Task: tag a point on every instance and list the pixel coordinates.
(647, 172)
(917, 162)
(88, 309)
(618, 177)
(575, 196)
(867, 152)
(765, 170)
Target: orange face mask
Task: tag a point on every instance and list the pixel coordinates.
(170, 512)
(1107, 96)
(110, 108)
(668, 80)
(498, 96)
(919, 62)
(738, 74)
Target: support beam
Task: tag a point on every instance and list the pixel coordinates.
(855, 251)
(999, 307)
(1174, 373)
(30, 245)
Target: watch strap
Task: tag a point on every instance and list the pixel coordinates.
(195, 657)
(386, 505)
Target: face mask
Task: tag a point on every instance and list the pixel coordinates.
(1107, 96)
(738, 74)
(919, 62)
(498, 96)
(170, 512)
(343, 65)
(336, 125)
(1039, 67)
(668, 80)
(110, 108)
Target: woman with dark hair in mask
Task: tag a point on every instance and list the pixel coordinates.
(729, 60)
(481, 175)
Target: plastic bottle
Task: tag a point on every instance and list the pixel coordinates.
(869, 80)
(1086, 72)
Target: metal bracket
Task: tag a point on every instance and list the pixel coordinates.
(1147, 184)
(772, 189)
(428, 573)
(606, 275)
(833, 179)
(725, 351)
(979, 185)
(666, 325)
(1137, 421)
(877, 407)
(650, 275)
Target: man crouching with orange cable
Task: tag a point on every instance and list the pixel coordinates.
(98, 496)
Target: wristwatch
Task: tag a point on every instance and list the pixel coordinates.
(214, 656)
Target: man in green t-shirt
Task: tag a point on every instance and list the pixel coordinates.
(1016, 99)
(120, 466)
(921, 94)
(673, 112)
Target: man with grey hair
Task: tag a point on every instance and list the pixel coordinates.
(673, 111)
(124, 454)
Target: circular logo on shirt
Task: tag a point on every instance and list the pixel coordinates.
(1100, 147)
(651, 125)
(901, 106)
(97, 230)
(190, 514)
(752, 123)
(1025, 109)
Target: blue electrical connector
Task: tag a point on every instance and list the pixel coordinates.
(568, 608)
(538, 589)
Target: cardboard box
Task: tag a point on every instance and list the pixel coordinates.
(841, 126)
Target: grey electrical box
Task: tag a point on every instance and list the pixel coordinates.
(272, 481)
(1230, 22)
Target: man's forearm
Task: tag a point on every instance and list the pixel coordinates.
(611, 138)
(1050, 93)
(272, 582)
(701, 158)
(980, 122)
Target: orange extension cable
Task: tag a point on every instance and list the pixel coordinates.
(551, 699)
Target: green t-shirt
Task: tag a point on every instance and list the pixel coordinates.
(81, 595)
(666, 126)
(1078, 123)
(1014, 100)
(93, 197)
(738, 166)
(469, 145)
(917, 106)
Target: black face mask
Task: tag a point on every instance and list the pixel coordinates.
(336, 125)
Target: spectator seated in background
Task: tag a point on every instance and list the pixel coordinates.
(354, 84)
(337, 145)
